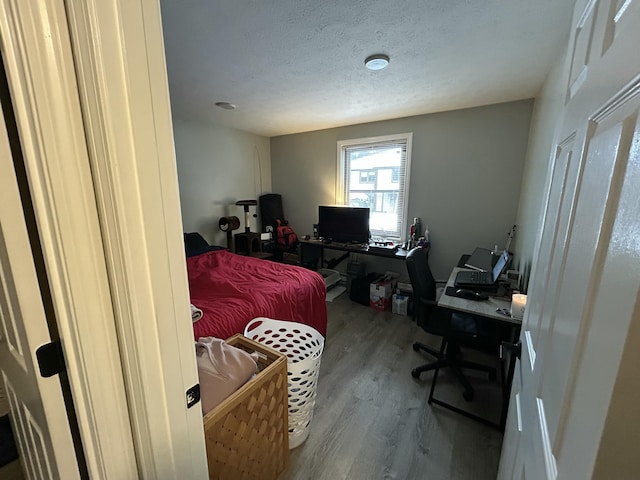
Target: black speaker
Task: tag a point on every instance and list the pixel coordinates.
(354, 270)
(271, 210)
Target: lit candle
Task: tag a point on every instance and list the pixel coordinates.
(518, 303)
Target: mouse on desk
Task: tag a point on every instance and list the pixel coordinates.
(470, 294)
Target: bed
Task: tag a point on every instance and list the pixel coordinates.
(232, 289)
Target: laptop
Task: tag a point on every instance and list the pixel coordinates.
(481, 259)
(475, 279)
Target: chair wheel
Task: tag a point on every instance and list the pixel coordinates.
(416, 347)
(415, 373)
(467, 395)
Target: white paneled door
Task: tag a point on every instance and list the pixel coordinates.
(584, 286)
(37, 407)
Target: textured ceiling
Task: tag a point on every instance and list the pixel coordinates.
(297, 65)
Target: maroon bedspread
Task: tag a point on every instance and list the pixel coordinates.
(231, 290)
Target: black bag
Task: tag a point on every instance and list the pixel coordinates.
(272, 215)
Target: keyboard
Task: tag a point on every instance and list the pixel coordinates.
(481, 277)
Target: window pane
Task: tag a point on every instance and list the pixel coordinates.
(374, 175)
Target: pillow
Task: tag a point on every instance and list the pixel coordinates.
(195, 244)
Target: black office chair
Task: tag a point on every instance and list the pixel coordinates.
(456, 329)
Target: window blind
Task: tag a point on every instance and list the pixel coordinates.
(384, 185)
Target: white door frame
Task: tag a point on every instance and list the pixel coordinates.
(40, 73)
(124, 90)
(36, 404)
(110, 224)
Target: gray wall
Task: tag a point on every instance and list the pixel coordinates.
(217, 167)
(466, 173)
(546, 114)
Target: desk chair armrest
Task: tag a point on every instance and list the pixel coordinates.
(440, 288)
(440, 310)
(436, 310)
(429, 303)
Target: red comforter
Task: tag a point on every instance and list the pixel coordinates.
(231, 290)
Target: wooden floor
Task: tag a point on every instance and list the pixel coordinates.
(11, 471)
(372, 420)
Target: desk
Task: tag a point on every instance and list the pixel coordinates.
(487, 309)
(484, 308)
(312, 250)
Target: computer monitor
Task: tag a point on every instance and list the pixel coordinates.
(343, 224)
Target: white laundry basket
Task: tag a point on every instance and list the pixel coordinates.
(303, 347)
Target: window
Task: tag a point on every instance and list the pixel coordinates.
(374, 172)
(368, 176)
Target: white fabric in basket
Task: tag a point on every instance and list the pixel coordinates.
(222, 369)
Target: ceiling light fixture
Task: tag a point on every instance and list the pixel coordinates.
(377, 61)
(226, 105)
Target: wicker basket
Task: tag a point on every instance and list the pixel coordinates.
(247, 434)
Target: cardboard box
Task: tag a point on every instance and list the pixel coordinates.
(380, 291)
(400, 304)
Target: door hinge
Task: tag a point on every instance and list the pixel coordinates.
(193, 395)
(50, 359)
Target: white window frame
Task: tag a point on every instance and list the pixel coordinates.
(340, 183)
